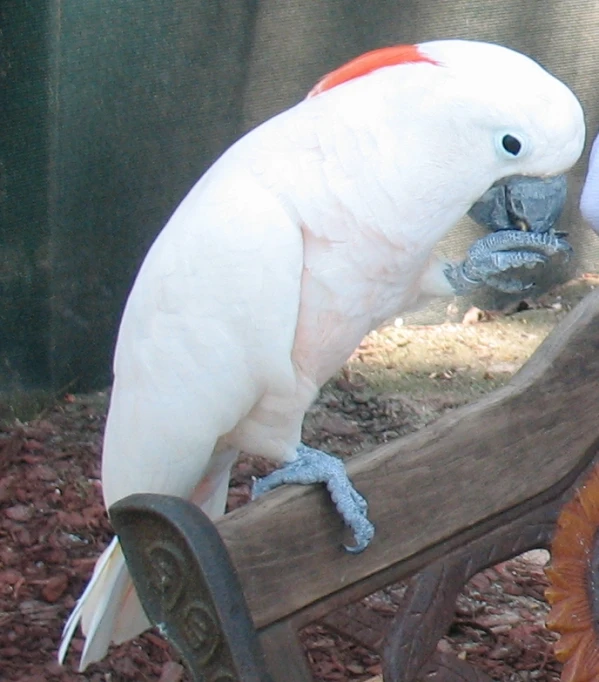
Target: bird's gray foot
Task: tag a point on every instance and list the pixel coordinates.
(315, 466)
(493, 256)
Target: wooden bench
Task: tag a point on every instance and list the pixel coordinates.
(480, 485)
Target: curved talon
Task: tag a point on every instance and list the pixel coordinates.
(363, 533)
(509, 286)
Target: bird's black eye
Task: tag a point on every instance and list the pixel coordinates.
(511, 144)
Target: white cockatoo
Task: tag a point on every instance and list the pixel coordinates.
(589, 199)
(306, 234)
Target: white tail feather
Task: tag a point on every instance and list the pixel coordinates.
(73, 620)
(108, 609)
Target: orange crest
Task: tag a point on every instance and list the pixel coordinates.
(369, 62)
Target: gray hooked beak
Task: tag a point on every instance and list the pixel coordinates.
(521, 203)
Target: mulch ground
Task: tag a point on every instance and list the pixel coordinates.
(53, 526)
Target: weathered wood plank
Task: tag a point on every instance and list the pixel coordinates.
(462, 470)
(284, 654)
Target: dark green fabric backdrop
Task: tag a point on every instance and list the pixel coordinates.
(111, 109)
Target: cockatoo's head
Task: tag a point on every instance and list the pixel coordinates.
(494, 115)
(534, 122)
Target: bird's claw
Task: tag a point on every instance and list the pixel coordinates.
(490, 257)
(315, 466)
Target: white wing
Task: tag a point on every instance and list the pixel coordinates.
(208, 328)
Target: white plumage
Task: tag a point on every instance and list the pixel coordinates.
(589, 199)
(305, 235)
